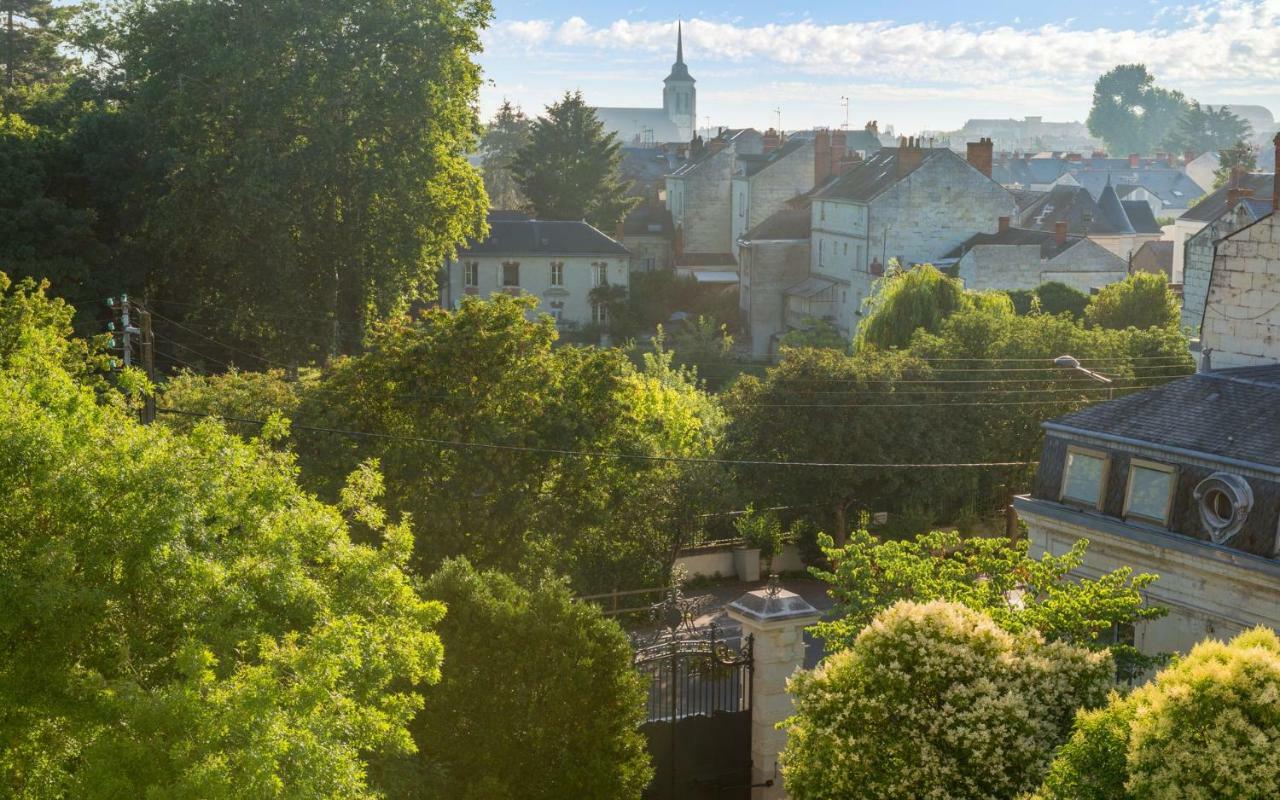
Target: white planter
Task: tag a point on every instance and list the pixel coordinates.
(746, 561)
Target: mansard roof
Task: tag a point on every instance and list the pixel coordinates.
(511, 235)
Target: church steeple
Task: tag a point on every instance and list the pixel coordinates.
(679, 41)
(679, 98)
(679, 72)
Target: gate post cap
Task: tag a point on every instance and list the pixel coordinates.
(771, 604)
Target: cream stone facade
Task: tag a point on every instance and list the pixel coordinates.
(1241, 324)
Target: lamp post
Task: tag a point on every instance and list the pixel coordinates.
(1071, 362)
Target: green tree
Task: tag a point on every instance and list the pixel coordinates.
(180, 619)
(1205, 129)
(936, 700)
(1206, 726)
(538, 695)
(480, 423)
(32, 35)
(503, 137)
(992, 575)
(569, 168)
(1142, 300)
(819, 333)
(313, 158)
(1236, 159)
(1130, 113)
(234, 393)
(907, 301)
(1059, 298)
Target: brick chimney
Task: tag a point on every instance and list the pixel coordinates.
(1275, 182)
(1134, 160)
(978, 154)
(772, 141)
(910, 155)
(1075, 157)
(1188, 156)
(1003, 224)
(1098, 154)
(1060, 233)
(1236, 193)
(822, 167)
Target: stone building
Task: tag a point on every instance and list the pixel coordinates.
(1020, 258)
(1121, 226)
(1241, 325)
(1211, 210)
(911, 204)
(698, 194)
(1154, 257)
(1198, 252)
(774, 262)
(648, 234)
(1182, 481)
(676, 121)
(558, 262)
(764, 184)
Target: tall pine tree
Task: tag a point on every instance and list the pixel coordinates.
(569, 168)
(31, 39)
(505, 134)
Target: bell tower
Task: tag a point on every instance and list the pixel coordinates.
(679, 98)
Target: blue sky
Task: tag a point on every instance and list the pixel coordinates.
(915, 64)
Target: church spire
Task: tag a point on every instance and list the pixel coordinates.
(679, 72)
(679, 42)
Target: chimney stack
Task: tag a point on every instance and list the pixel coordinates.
(978, 154)
(772, 141)
(1003, 224)
(910, 155)
(822, 166)
(1060, 233)
(1275, 182)
(1188, 156)
(1134, 160)
(1237, 193)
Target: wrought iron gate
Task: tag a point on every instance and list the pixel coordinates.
(698, 719)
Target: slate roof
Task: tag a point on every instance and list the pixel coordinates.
(789, 223)
(862, 141)
(1173, 186)
(1214, 204)
(862, 183)
(1025, 198)
(647, 165)
(694, 164)
(1230, 413)
(508, 236)
(1075, 206)
(1018, 237)
(648, 220)
(750, 164)
(1154, 257)
(1140, 217)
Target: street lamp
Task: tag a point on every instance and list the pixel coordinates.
(1071, 362)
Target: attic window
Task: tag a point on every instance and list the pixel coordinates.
(1084, 477)
(1225, 501)
(1149, 492)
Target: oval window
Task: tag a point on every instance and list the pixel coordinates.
(1225, 501)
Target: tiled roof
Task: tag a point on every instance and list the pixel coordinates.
(1154, 257)
(1073, 205)
(1174, 188)
(509, 236)
(789, 223)
(1233, 413)
(750, 164)
(648, 220)
(1214, 205)
(865, 181)
(1018, 237)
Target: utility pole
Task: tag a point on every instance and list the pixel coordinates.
(778, 113)
(844, 101)
(148, 364)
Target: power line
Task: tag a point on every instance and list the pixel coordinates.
(263, 359)
(602, 454)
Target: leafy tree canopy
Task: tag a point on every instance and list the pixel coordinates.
(30, 34)
(179, 618)
(1130, 113)
(1236, 159)
(503, 138)
(992, 575)
(1204, 727)
(1142, 300)
(538, 697)
(936, 700)
(1205, 129)
(569, 167)
(919, 299)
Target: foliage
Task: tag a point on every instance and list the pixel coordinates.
(316, 164)
(1059, 298)
(30, 38)
(503, 137)
(569, 167)
(995, 576)
(1205, 727)
(1142, 300)
(479, 420)
(760, 530)
(538, 698)
(657, 294)
(819, 333)
(936, 700)
(702, 340)
(1238, 158)
(248, 395)
(907, 301)
(1205, 129)
(179, 618)
(1130, 113)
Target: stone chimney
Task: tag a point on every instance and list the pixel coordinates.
(1134, 160)
(1275, 182)
(1002, 224)
(978, 154)
(1060, 233)
(1098, 154)
(1075, 157)
(1236, 193)
(1188, 156)
(772, 141)
(910, 155)
(873, 128)
(822, 166)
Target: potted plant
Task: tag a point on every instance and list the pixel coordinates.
(761, 534)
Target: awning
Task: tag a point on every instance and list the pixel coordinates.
(711, 276)
(810, 287)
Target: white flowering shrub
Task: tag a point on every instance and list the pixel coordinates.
(1207, 727)
(935, 701)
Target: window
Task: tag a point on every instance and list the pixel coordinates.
(742, 205)
(511, 273)
(846, 248)
(650, 263)
(557, 273)
(471, 274)
(1150, 491)
(821, 242)
(822, 212)
(600, 313)
(600, 273)
(1225, 501)
(1085, 477)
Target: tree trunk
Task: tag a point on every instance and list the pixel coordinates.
(841, 534)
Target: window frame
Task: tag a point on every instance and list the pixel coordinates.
(471, 274)
(1152, 466)
(557, 273)
(599, 273)
(1090, 452)
(512, 265)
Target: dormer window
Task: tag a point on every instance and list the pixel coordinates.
(1149, 493)
(1084, 477)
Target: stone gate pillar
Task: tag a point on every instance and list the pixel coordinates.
(776, 618)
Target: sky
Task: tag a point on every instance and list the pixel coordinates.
(914, 64)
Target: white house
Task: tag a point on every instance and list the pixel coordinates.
(557, 261)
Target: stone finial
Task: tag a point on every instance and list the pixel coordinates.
(771, 604)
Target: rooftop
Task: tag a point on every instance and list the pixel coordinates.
(865, 181)
(513, 233)
(1014, 237)
(1214, 204)
(788, 223)
(1231, 414)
